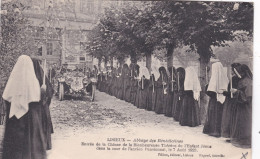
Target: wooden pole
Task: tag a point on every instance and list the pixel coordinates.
(206, 75)
(142, 82)
(231, 84)
(153, 84)
(172, 79)
(44, 71)
(178, 74)
(162, 82)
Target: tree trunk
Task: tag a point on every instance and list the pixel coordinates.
(149, 61)
(133, 58)
(205, 54)
(169, 54)
(105, 62)
(111, 62)
(99, 64)
(121, 61)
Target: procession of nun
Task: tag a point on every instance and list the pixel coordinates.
(169, 91)
(175, 92)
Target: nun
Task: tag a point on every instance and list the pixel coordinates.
(172, 87)
(229, 105)
(28, 125)
(189, 112)
(110, 82)
(136, 85)
(143, 83)
(178, 95)
(114, 82)
(161, 91)
(132, 83)
(126, 83)
(151, 99)
(241, 122)
(217, 85)
(119, 85)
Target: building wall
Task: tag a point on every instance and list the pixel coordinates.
(65, 31)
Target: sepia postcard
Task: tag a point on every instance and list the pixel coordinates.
(129, 79)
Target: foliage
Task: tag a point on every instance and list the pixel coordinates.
(121, 32)
(237, 49)
(137, 28)
(15, 36)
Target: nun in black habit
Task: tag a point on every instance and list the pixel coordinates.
(151, 98)
(132, 83)
(136, 86)
(114, 82)
(143, 89)
(172, 87)
(241, 122)
(229, 106)
(178, 95)
(119, 85)
(161, 91)
(126, 83)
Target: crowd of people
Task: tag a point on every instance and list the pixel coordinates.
(176, 93)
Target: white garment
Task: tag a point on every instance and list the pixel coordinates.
(155, 72)
(192, 82)
(218, 81)
(144, 72)
(22, 87)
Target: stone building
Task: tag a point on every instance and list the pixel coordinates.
(60, 29)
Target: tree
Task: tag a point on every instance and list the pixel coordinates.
(138, 31)
(122, 32)
(15, 39)
(201, 25)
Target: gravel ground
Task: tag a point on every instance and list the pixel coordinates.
(78, 122)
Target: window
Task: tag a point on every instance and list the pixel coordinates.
(40, 51)
(82, 58)
(49, 48)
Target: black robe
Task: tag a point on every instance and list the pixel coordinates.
(189, 112)
(127, 90)
(172, 87)
(212, 126)
(114, 86)
(103, 83)
(137, 89)
(110, 85)
(120, 88)
(151, 98)
(161, 97)
(228, 107)
(30, 136)
(241, 122)
(99, 83)
(133, 89)
(106, 84)
(178, 95)
(178, 100)
(142, 93)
